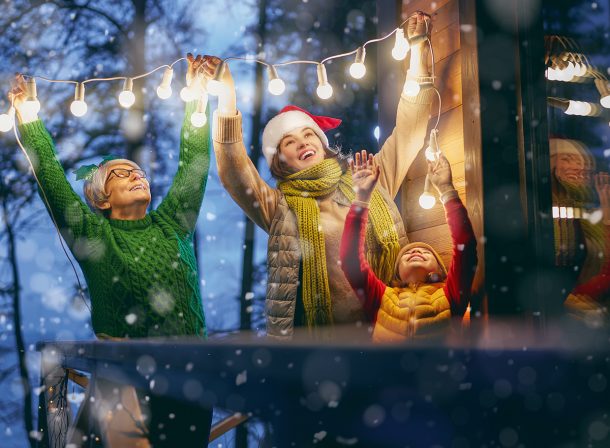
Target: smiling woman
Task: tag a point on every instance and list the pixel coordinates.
(305, 214)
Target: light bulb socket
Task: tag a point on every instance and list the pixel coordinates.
(202, 103)
(427, 185)
(558, 103)
(272, 72)
(79, 92)
(128, 84)
(360, 55)
(220, 70)
(322, 77)
(30, 90)
(433, 142)
(168, 75)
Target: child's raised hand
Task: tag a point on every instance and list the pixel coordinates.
(365, 174)
(439, 173)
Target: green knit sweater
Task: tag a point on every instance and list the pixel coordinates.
(141, 274)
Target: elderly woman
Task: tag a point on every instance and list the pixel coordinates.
(140, 266)
(304, 216)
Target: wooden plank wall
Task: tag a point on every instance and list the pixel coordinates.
(429, 225)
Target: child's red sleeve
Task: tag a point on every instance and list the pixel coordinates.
(359, 274)
(598, 286)
(464, 258)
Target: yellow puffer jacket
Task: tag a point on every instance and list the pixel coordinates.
(412, 311)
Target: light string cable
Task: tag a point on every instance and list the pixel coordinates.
(46, 201)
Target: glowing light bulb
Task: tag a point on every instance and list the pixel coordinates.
(78, 106)
(324, 90)
(411, 88)
(605, 101)
(164, 91)
(582, 69)
(358, 69)
(215, 86)
(7, 121)
(31, 106)
(401, 46)
(187, 94)
(432, 150)
(276, 86)
(126, 97)
(430, 154)
(199, 117)
(426, 200)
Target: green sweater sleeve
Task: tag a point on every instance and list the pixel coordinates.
(182, 203)
(64, 205)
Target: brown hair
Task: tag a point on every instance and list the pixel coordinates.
(279, 169)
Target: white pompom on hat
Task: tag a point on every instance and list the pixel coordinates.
(289, 119)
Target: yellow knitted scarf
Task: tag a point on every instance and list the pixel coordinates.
(301, 190)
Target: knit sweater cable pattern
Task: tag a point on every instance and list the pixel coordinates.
(141, 274)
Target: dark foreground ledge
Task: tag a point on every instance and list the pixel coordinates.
(502, 385)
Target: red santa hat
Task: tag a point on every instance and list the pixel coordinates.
(289, 119)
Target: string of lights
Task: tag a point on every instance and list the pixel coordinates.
(199, 88)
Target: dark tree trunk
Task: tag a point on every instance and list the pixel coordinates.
(19, 342)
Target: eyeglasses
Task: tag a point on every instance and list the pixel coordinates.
(124, 173)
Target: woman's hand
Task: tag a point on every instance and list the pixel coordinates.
(227, 103)
(16, 97)
(439, 173)
(420, 24)
(365, 174)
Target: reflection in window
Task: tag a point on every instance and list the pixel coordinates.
(578, 97)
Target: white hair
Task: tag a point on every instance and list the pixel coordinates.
(95, 189)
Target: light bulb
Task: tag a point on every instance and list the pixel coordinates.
(30, 107)
(411, 87)
(605, 101)
(78, 106)
(198, 119)
(586, 108)
(164, 91)
(7, 120)
(582, 69)
(275, 86)
(126, 97)
(215, 86)
(358, 69)
(432, 150)
(401, 45)
(324, 90)
(430, 154)
(187, 94)
(426, 200)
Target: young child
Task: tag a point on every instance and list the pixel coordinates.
(423, 295)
